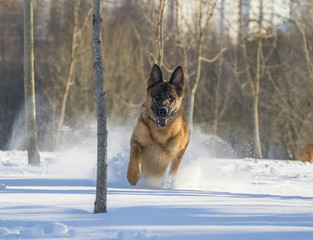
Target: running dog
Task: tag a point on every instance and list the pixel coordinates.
(161, 135)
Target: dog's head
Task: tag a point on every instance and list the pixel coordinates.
(164, 98)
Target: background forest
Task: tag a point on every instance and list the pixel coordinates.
(252, 85)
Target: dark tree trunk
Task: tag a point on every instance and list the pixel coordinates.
(100, 203)
(29, 86)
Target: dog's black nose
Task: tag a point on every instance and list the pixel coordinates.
(162, 112)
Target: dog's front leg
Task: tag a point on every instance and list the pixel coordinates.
(134, 166)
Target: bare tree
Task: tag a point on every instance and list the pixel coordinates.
(198, 33)
(75, 45)
(102, 162)
(70, 73)
(304, 25)
(254, 82)
(29, 86)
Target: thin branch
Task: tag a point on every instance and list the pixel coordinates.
(213, 59)
(283, 102)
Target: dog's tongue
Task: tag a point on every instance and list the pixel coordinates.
(162, 121)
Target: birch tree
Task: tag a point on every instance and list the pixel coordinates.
(100, 203)
(197, 31)
(70, 73)
(254, 82)
(76, 44)
(29, 86)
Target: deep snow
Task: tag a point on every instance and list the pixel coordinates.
(210, 198)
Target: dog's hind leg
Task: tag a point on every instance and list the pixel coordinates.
(134, 166)
(176, 162)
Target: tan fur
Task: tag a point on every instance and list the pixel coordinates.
(154, 148)
(306, 153)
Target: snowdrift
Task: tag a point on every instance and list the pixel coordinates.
(210, 198)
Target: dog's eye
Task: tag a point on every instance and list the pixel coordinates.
(156, 98)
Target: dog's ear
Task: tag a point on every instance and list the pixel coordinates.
(155, 76)
(177, 79)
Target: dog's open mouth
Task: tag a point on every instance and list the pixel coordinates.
(162, 121)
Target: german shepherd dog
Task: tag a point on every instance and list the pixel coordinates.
(306, 153)
(161, 135)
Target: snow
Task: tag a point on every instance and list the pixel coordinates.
(210, 198)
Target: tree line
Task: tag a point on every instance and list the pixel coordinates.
(256, 90)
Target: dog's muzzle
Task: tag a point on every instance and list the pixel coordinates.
(162, 116)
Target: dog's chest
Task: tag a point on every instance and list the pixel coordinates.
(155, 159)
(164, 142)
(155, 149)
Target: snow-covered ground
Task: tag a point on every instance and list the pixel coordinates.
(211, 198)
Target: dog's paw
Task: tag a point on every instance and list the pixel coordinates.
(133, 176)
(133, 179)
(169, 182)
